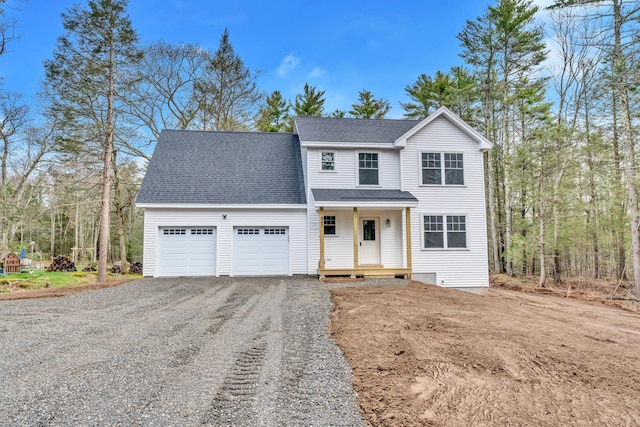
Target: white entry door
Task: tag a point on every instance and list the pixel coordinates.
(369, 232)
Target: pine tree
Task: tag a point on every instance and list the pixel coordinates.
(227, 92)
(369, 107)
(274, 115)
(310, 103)
(86, 82)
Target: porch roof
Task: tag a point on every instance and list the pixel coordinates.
(355, 197)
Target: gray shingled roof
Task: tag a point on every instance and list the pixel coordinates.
(361, 195)
(331, 129)
(224, 168)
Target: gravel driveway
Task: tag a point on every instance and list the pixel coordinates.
(211, 351)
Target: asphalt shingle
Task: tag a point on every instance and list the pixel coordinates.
(331, 129)
(224, 168)
(360, 194)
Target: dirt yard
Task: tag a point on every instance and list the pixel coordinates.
(423, 355)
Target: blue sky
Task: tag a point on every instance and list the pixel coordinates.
(340, 47)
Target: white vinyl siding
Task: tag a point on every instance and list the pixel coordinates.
(467, 267)
(294, 219)
(346, 171)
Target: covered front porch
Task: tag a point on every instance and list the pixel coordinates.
(364, 232)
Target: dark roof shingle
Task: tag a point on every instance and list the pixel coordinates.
(361, 195)
(208, 167)
(331, 129)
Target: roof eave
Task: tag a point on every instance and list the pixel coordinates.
(367, 203)
(345, 144)
(221, 206)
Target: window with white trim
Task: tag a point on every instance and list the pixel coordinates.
(328, 161)
(329, 225)
(368, 168)
(435, 171)
(437, 236)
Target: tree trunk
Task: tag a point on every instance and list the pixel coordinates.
(119, 208)
(105, 208)
(495, 244)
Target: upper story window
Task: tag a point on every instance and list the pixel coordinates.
(368, 168)
(330, 225)
(328, 162)
(435, 235)
(435, 171)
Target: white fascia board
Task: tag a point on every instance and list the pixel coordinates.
(365, 204)
(211, 206)
(372, 145)
(484, 143)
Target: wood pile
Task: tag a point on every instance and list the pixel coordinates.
(136, 268)
(62, 263)
(116, 269)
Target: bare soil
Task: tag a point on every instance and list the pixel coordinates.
(17, 293)
(423, 355)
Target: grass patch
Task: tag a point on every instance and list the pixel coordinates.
(39, 278)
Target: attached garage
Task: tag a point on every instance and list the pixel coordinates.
(187, 251)
(260, 251)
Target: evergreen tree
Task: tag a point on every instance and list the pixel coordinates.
(369, 107)
(310, 103)
(505, 48)
(454, 90)
(274, 115)
(86, 81)
(227, 92)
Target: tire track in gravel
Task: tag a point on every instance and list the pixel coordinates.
(232, 353)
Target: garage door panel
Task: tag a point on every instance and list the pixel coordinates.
(187, 251)
(261, 251)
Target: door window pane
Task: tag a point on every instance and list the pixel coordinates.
(368, 229)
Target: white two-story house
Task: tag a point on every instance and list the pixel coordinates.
(354, 197)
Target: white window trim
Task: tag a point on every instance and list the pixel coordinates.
(335, 169)
(331, 236)
(445, 238)
(357, 174)
(442, 174)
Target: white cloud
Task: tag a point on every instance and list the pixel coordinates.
(316, 72)
(287, 64)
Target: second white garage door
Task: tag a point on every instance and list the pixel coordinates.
(260, 251)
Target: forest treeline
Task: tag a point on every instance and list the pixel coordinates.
(559, 101)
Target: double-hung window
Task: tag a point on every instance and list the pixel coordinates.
(442, 169)
(436, 235)
(328, 161)
(368, 168)
(329, 225)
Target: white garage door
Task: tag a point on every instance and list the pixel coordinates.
(260, 251)
(186, 251)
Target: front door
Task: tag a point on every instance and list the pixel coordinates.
(369, 233)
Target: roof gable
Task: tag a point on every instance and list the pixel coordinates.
(484, 143)
(206, 167)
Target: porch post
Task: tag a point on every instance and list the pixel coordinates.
(321, 265)
(408, 238)
(355, 237)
